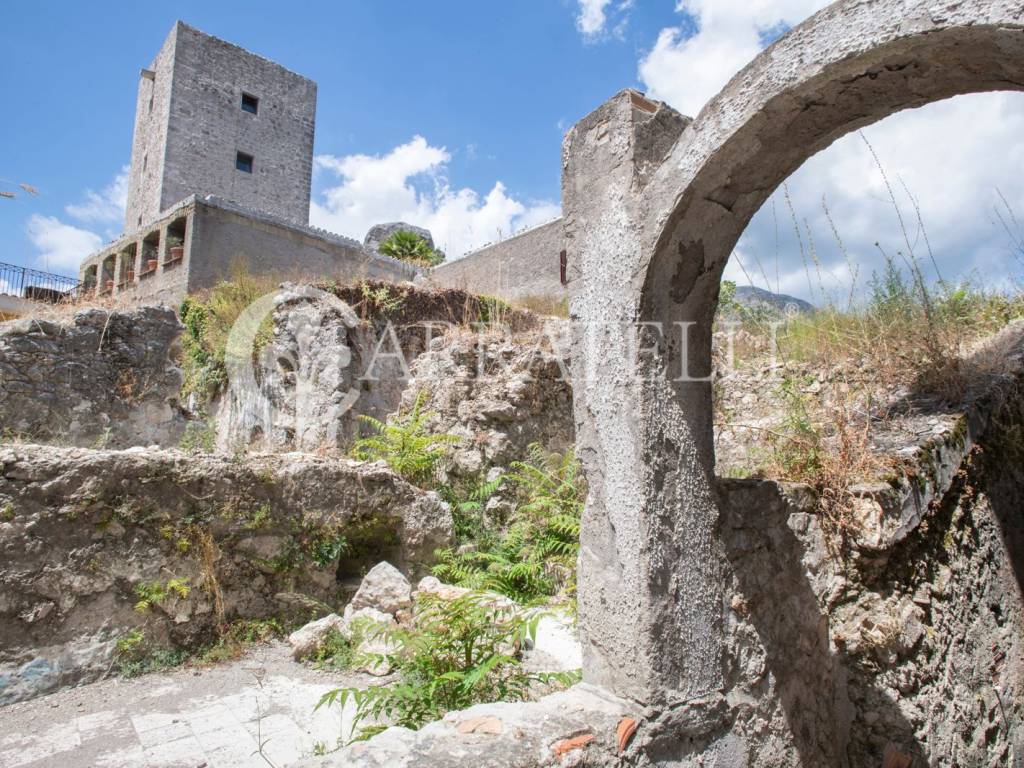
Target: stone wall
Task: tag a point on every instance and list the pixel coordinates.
(523, 265)
(221, 237)
(149, 142)
(226, 235)
(187, 143)
(82, 531)
(911, 655)
(99, 378)
(338, 355)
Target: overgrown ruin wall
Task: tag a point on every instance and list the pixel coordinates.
(82, 532)
(98, 379)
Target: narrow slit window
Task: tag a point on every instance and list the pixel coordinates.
(243, 162)
(250, 103)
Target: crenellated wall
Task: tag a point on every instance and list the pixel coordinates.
(524, 265)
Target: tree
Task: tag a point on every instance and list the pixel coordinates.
(408, 246)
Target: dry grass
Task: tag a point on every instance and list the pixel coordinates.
(543, 304)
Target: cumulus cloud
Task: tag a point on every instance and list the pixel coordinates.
(950, 165)
(105, 206)
(61, 246)
(686, 68)
(410, 184)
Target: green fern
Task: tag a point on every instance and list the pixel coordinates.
(535, 557)
(405, 444)
(454, 654)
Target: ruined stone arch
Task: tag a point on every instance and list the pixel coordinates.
(654, 203)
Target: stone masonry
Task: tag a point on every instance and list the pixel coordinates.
(201, 102)
(99, 379)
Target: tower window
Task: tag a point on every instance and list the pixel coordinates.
(145, 161)
(243, 162)
(250, 103)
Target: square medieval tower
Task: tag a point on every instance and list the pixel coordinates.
(214, 119)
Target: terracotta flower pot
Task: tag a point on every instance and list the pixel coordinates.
(151, 264)
(176, 252)
(110, 284)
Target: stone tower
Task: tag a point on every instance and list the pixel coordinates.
(214, 119)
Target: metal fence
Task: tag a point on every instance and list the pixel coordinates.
(37, 286)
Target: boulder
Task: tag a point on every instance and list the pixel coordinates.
(383, 588)
(308, 639)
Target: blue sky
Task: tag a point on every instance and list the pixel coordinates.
(451, 113)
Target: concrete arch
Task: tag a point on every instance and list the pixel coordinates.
(654, 203)
(850, 65)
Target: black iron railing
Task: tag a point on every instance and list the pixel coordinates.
(34, 285)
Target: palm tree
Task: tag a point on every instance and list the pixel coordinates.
(408, 246)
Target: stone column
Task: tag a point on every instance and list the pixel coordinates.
(650, 573)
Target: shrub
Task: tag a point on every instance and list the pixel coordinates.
(535, 556)
(405, 444)
(410, 247)
(454, 654)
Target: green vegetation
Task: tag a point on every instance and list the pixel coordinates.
(134, 657)
(232, 642)
(335, 653)
(152, 593)
(208, 318)
(7, 513)
(405, 444)
(534, 556)
(199, 437)
(410, 247)
(454, 654)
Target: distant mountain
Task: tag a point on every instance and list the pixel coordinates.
(750, 296)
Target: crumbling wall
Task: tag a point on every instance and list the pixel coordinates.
(497, 393)
(101, 378)
(339, 353)
(82, 534)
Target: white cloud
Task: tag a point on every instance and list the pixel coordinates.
(593, 18)
(686, 71)
(105, 206)
(61, 245)
(951, 157)
(409, 184)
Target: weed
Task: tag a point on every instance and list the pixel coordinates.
(336, 653)
(199, 437)
(405, 444)
(208, 318)
(7, 513)
(454, 654)
(133, 657)
(237, 637)
(150, 593)
(535, 556)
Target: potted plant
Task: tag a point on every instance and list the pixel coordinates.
(175, 248)
(151, 264)
(110, 284)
